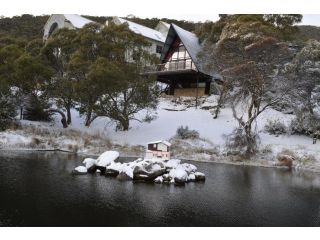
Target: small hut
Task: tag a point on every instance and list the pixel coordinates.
(158, 150)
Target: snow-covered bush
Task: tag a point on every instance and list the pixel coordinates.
(185, 133)
(275, 127)
(237, 141)
(304, 124)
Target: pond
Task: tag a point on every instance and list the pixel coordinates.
(38, 189)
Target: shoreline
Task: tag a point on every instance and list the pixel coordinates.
(248, 163)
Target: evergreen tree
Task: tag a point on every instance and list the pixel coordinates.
(108, 66)
(7, 108)
(58, 50)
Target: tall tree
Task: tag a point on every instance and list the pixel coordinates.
(304, 77)
(58, 51)
(108, 64)
(248, 55)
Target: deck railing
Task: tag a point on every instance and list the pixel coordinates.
(173, 65)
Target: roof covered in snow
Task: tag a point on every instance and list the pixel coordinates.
(189, 40)
(160, 141)
(76, 20)
(144, 31)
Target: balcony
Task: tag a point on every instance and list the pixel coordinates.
(178, 65)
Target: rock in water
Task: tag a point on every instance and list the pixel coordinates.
(148, 170)
(189, 168)
(159, 179)
(179, 175)
(123, 176)
(106, 158)
(80, 170)
(191, 177)
(113, 169)
(172, 163)
(89, 162)
(200, 176)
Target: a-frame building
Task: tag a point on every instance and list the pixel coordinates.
(181, 67)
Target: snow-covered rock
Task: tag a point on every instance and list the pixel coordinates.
(89, 162)
(80, 170)
(189, 168)
(191, 177)
(106, 158)
(113, 169)
(148, 169)
(172, 163)
(200, 176)
(179, 174)
(166, 177)
(159, 179)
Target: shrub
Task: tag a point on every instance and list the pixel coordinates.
(185, 133)
(275, 127)
(36, 110)
(237, 141)
(7, 112)
(304, 124)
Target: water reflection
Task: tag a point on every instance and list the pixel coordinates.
(37, 189)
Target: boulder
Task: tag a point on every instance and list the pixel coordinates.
(172, 163)
(89, 162)
(285, 161)
(126, 172)
(81, 170)
(166, 177)
(106, 158)
(113, 169)
(123, 176)
(191, 177)
(179, 175)
(199, 176)
(148, 170)
(189, 168)
(158, 180)
(92, 169)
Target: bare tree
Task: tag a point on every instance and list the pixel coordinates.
(248, 59)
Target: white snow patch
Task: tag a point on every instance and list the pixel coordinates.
(81, 169)
(89, 162)
(107, 158)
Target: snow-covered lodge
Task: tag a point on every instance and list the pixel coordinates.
(178, 50)
(181, 67)
(57, 21)
(158, 150)
(156, 36)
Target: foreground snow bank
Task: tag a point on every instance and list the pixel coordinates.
(158, 171)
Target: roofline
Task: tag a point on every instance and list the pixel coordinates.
(195, 62)
(47, 22)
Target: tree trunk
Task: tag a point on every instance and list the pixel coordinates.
(63, 116)
(124, 122)
(88, 118)
(69, 120)
(21, 112)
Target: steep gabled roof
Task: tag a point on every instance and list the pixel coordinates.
(76, 20)
(189, 40)
(144, 31)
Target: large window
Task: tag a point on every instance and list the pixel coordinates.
(180, 60)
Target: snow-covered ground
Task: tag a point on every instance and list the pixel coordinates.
(171, 114)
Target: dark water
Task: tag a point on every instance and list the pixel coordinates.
(38, 190)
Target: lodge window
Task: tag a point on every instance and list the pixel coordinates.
(159, 49)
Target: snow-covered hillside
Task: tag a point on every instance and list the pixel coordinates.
(171, 114)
